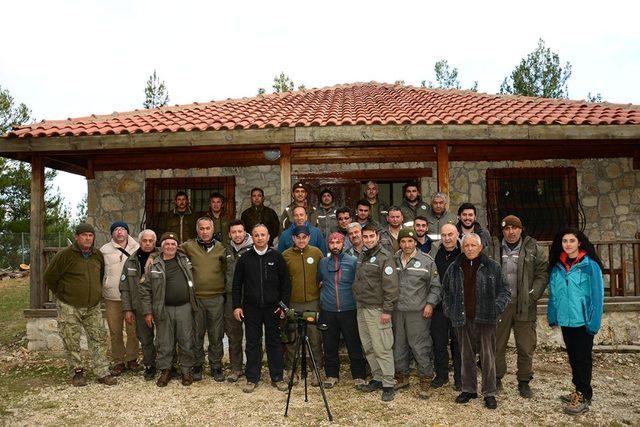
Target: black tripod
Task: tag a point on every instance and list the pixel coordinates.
(301, 349)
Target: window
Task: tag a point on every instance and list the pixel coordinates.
(160, 195)
(545, 199)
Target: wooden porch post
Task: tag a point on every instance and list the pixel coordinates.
(443, 167)
(38, 293)
(285, 175)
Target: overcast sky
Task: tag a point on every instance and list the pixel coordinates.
(76, 58)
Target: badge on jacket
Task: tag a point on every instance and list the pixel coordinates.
(388, 270)
(309, 260)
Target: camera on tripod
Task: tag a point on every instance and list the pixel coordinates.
(309, 317)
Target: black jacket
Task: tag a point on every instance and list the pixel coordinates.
(260, 280)
(492, 294)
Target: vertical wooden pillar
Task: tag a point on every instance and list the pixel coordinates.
(285, 175)
(38, 294)
(443, 167)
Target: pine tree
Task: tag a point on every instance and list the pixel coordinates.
(156, 94)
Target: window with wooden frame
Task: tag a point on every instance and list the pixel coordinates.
(160, 196)
(545, 199)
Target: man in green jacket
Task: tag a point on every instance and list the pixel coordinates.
(258, 213)
(169, 301)
(75, 276)
(524, 269)
(209, 261)
(219, 217)
(181, 220)
(375, 290)
(302, 265)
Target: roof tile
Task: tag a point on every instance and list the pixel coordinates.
(346, 105)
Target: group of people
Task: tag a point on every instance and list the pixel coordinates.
(425, 285)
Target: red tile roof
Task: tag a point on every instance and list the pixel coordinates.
(344, 105)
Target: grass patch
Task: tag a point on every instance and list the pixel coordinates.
(14, 298)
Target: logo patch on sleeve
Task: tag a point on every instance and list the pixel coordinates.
(388, 270)
(123, 277)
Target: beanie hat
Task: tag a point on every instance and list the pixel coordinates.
(326, 191)
(298, 184)
(407, 232)
(511, 220)
(83, 227)
(169, 235)
(118, 224)
(301, 229)
(336, 236)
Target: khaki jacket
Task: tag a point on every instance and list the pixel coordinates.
(114, 260)
(130, 283)
(376, 282)
(419, 282)
(303, 272)
(153, 289)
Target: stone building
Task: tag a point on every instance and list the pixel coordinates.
(553, 162)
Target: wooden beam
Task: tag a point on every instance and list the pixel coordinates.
(38, 293)
(372, 174)
(285, 175)
(376, 154)
(443, 167)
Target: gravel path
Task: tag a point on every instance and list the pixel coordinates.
(136, 402)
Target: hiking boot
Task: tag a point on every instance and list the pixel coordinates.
(330, 382)
(425, 385)
(187, 379)
(133, 366)
(373, 385)
(150, 373)
(578, 404)
(164, 378)
(314, 380)
(280, 385)
(108, 380)
(464, 397)
(402, 381)
(249, 387)
(217, 374)
(567, 398)
(79, 379)
(524, 389)
(490, 402)
(498, 384)
(196, 373)
(387, 394)
(358, 383)
(439, 381)
(118, 369)
(234, 376)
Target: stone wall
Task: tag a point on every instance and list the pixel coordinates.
(609, 189)
(618, 328)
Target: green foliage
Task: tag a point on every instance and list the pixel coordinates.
(11, 114)
(155, 93)
(539, 74)
(282, 83)
(446, 77)
(261, 91)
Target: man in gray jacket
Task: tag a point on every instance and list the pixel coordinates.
(375, 289)
(419, 294)
(524, 269)
(169, 300)
(130, 281)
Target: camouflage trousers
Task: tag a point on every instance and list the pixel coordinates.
(71, 321)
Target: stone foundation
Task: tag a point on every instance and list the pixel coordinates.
(619, 327)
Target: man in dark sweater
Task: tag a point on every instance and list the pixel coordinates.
(474, 296)
(441, 331)
(260, 282)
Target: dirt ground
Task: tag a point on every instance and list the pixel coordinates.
(36, 391)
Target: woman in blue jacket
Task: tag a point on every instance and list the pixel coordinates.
(576, 297)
